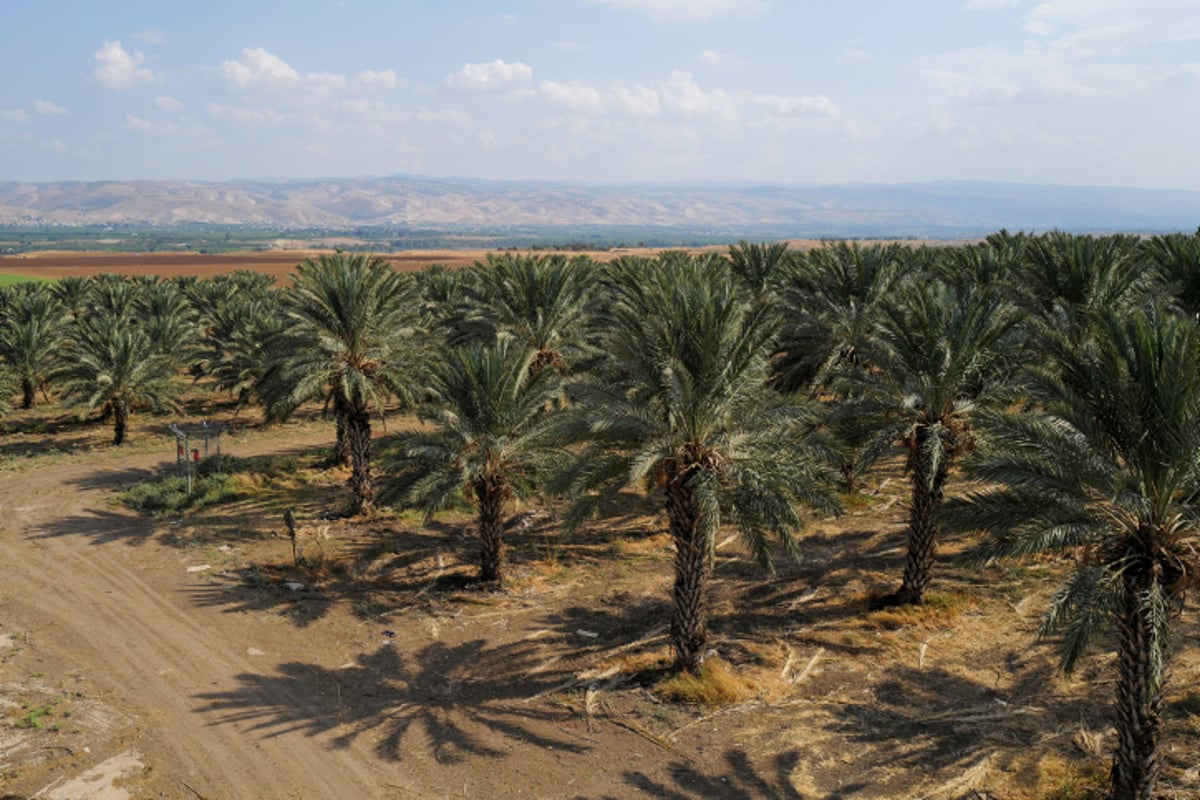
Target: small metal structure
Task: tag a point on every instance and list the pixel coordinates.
(289, 519)
(187, 458)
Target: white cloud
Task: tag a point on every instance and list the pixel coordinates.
(679, 97)
(118, 69)
(853, 51)
(494, 76)
(257, 67)
(688, 10)
(48, 109)
(989, 5)
(1077, 48)
(150, 36)
(168, 103)
(244, 115)
(53, 145)
(715, 57)
(377, 79)
(572, 96)
(18, 115)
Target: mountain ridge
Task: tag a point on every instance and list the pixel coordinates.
(943, 209)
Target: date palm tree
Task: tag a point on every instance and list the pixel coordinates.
(490, 437)
(681, 405)
(938, 356)
(1107, 470)
(31, 331)
(540, 301)
(1176, 259)
(1067, 280)
(760, 266)
(830, 300)
(114, 366)
(352, 324)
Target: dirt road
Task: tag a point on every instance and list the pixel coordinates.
(72, 567)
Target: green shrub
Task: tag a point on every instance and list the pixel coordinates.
(169, 495)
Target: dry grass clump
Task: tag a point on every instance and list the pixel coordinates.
(1060, 779)
(938, 611)
(715, 685)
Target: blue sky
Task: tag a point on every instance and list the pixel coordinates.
(1103, 92)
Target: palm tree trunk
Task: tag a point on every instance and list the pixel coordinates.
(28, 392)
(689, 620)
(1136, 766)
(120, 422)
(923, 530)
(358, 441)
(489, 493)
(341, 447)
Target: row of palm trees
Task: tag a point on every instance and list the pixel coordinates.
(1057, 376)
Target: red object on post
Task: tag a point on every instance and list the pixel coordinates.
(196, 456)
(179, 451)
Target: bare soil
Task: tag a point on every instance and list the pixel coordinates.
(282, 263)
(277, 263)
(189, 657)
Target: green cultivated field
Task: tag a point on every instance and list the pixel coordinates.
(8, 279)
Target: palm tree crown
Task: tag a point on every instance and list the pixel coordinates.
(114, 366)
(491, 437)
(1107, 470)
(352, 325)
(682, 405)
(940, 355)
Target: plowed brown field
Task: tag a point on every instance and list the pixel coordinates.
(278, 263)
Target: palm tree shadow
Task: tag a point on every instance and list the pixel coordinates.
(469, 700)
(740, 779)
(931, 721)
(98, 526)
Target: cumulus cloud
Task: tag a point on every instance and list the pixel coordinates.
(168, 103)
(244, 115)
(18, 115)
(688, 10)
(151, 36)
(493, 76)
(377, 79)
(257, 67)
(679, 97)
(988, 5)
(1075, 49)
(118, 69)
(715, 57)
(48, 109)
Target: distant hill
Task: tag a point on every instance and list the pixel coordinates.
(922, 210)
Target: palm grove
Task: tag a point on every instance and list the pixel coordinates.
(1043, 392)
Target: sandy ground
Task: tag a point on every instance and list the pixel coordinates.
(171, 658)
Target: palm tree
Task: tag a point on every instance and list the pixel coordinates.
(760, 266)
(1106, 471)
(491, 438)
(31, 330)
(350, 341)
(939, 356)
(168, 318)
(830, 302)
(681, 404)
(114, 366)
(1066, 280)
(237, 346)
(1176, 259)
(541, 301)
